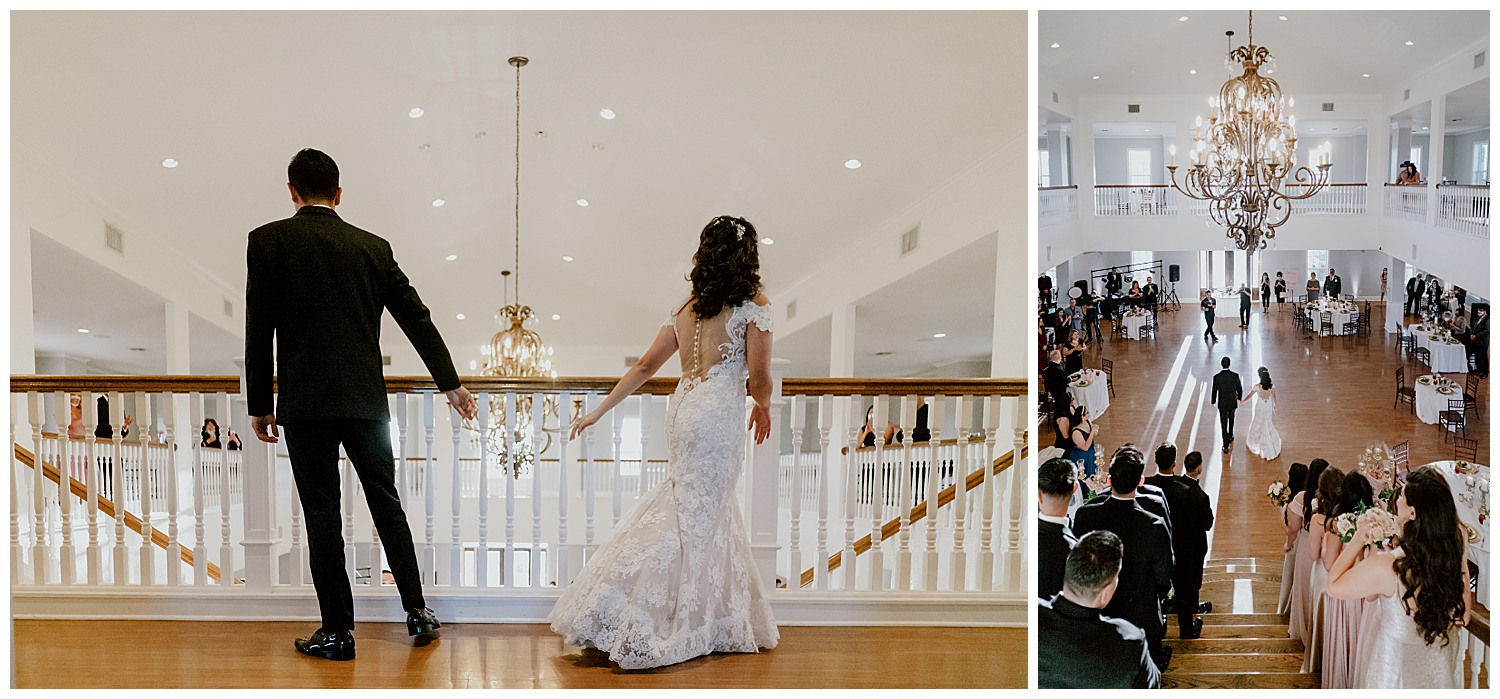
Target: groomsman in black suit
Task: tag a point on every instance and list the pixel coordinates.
(318, 286)
(1333, 285)
(1151, 293)
(1113, 282)
(1414, 288)
(1056, 481)
(1055, 380)
(1146, 574)
(1244, 306)
(1195, 517)
(1227, 393)
(1077, 646)
(1207, 304)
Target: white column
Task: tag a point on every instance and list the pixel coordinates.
(1014, 319)
(260, 539)
(179, 362)
(22, 326)
(840, 365)
(1434, 170)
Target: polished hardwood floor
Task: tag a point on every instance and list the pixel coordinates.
(192, 654)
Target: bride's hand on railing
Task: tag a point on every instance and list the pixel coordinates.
(582, 424)
(463, 402)
(760, 422)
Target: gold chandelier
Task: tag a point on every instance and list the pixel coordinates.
(1243, 157)
(516, 352)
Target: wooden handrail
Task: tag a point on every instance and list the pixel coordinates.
(1470, 186)
(107, 506)
(414, 384)
(1061, 186)
(1405, 184)
(918, 513)
(1479, 623)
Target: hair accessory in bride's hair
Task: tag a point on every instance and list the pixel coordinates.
(739, 227)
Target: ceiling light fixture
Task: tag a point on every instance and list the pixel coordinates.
(1242, 157)
(451, 258)
(556, 316)
(607, 113)
(1282, 18)
(416, 113)
(438, 202)
(1410, 43)
(852, 164)
(567, 258)
(1095, 78)
(767, 241)
(169, 163)
(1193, 71)
(1055, 44)
(84, 330)
(460, 316)
(940, 335)
(583, 202)
(1366, 75)
(1182, 18)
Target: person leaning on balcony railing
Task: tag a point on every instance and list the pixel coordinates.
(1078, 647)
(1408, 174)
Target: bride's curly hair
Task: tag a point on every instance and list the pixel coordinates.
(1432, 569)
(726, 268)
(1265, 378)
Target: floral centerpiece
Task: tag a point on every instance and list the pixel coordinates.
(1379, 465)
(1380, 526)
(1279, 493)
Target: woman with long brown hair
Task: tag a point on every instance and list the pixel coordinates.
(675, 580)
(1409, 633)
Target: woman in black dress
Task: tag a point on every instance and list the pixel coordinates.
(1265, 292)
(1073, 353)
(1280, 292)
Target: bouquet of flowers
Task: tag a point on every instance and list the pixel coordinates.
(1380, 525)
(1279, 493)
(1345, 524)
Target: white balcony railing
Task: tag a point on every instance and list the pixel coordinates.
(1135, 200)
(1464, 208)
(1331, 200)
(1408, 201)
(819, 519)
(1056, 204)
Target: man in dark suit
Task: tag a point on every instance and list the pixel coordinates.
(1244, 306)
(1055, 379)
(1146, 574)
(1113, 282)
(1479, 340)
(1091, 317)
(1077, 646)
(1152, 293)
(1414, 288)
(1207, 304)
(1333, 285)
(1056, 481)
(1190, 547)
(1227, 393)
(318, 286)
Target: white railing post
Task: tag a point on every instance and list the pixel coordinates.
(590, 402)
(257, 466)
(534, 559)
(200, 535)
(174, 512)
(852, 489)
(958, 574)
(935, 417)
(763, 505)
(908, 422)
(794, 548)
(226, 543)
(823, 543)
(987, 505)
(120, 570)
(91, 485)
(482, 550)
(39, 544)
(15, 487)
(429, 526)
(564, 542)
(65, 459)
(455, 504)
(877, 495)
(642, 484)
(1015, 558)
(616, 426)
(513, 436)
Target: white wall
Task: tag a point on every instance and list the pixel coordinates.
(1458, 156)
(1111, 165)
(1349, 155)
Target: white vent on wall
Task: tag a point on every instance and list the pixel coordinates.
(228, 308)
(1479, 59)
(1054, 96)
(1327, 106)
(1133, 108)
(791, 309)
(909, 239)
(114, 238)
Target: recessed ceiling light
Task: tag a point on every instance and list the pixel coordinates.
(84, 330)
(169, 163)
(597, 146)
(1055, 44)
(438, 202)
(481, 134)
(556, 316)
(567, 258)
(1367, 75)
(1409, 43)
(767, 241)
(1193, 72)
(451, 258)
(607, 113)
(940, 334)
(424, 146)
(852, 164)
(1095, 77)
(583, 202)
(415, 113)
(1182, 18)
(1148, 130)
(459, 316)
(1282, 18)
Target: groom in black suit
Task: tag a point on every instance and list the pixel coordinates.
(318, 286)
(1333, 284)
(1227, 393)
(1414, 287)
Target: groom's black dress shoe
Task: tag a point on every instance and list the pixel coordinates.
(1195, 632)
(338, 645)
(423, 624)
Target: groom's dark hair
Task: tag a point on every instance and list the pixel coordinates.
(1224, 362)
(314, 175)
(1165, 456)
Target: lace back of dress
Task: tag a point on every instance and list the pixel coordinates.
(708, 342)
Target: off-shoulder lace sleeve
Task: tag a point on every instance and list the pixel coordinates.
(761, 316)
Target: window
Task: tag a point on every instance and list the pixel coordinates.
(1138, 165)
(1043, 168)
(1481, 163)
(1317, 262)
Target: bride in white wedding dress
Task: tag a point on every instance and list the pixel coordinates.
(1263, 440)
(675, 580)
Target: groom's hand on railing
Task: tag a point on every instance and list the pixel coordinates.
(760, 422)
(463, 402)
(265, 428)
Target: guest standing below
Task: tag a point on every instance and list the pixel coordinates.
(1295, 477)
(1150, 293)
(1226, 394)
(1135, 298)
(1207, 304)
(1073, 353)
(1146, 572)
(318, 286)
(1181, 515)
(1409, 633)
(1055, 380)
(1056, 481)
(1244, 306)
(1408, 173)
(1312, 287)
(1414, 287)
(1280, 291)
(1081, 434)
(1333, 286)
(1479, 341)
(1341, 616)
(1113, 282)
(1265, 292)
(1077, 646)
(1091, 330)
(1384, 278)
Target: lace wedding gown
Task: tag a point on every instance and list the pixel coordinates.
(675, 580)
(1392, 654)
(1263, 440)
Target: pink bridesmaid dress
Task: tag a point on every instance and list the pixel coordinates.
(1299, 620)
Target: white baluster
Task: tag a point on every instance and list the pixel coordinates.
(348, 489)
(200, 534)
(877, 498)
(645, 470)
(39, 547)
(794, 552)
(174, 512)
(15, 486)
(958, 575)
(68, 452)
(514, 437)
(987, 506)
(564, 543)
(934, 471)
(120, 571)
(823, 544)
(299, 556)
(617, 419)
(851, 495)
(590, 402)
(482, 553)
(456, 550)
(1015, 558)
(904, 504)
(226, 546)
(91, 485)
(429, 527)
(534, 560)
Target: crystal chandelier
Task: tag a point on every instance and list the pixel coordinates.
(1242, 158)
(516, 352)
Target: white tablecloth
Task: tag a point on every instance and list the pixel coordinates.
(1133, 325)
(1339, 316)
(1094, 396)
(1469, 489)
(1430, 402)
(1446, 358)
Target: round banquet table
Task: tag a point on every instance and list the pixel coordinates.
(1470, 489)
(1091, 390)
(1340, 316)
(1448, 356)
(1430, 401)
(1133, 325)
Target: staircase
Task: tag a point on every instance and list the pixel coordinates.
(1244, 642)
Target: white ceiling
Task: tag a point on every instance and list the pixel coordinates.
(1321, 52)
(745, 113)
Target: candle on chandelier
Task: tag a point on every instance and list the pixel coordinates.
(1173, 151)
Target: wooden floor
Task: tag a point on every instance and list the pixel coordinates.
(191, 654)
